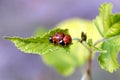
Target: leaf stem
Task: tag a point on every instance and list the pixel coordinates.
(82, 42)
(101, 40)
(104, 39)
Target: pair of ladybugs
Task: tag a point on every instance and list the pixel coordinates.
(60, 39)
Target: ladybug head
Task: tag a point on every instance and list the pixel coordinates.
(50, 39)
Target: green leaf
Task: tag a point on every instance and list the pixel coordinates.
(103, 21)
(105, 14)
(115, 18)
(113, 30)
(64, 63)
(108, 25)
(56, 56)
(108, 61)
(115, 27)
(38, 45)
(99, 25)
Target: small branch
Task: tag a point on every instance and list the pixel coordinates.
(87, 74)
(76, 39)
(82, 42)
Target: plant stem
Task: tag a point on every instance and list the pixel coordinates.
(89, 63)
(87, 74)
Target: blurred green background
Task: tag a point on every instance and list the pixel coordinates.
(23, 17)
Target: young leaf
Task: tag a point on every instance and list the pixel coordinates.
(115, 18)
(38, 45)
(103, 21)
(105, 14)
(115, 26)
(108, 61)
(107, 23)
(113, 30)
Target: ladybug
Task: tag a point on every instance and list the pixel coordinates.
(56, 38)
(66, 40)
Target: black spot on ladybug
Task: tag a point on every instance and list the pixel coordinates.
(61, 43)
(60, 39)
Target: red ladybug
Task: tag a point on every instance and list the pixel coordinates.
(61, 39)
(56, 38)
(66, 40)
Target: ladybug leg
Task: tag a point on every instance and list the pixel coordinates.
(54, 42)
(66, 43)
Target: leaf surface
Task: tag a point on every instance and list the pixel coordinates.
(108, 61)
(38, 45)
(103, 20)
